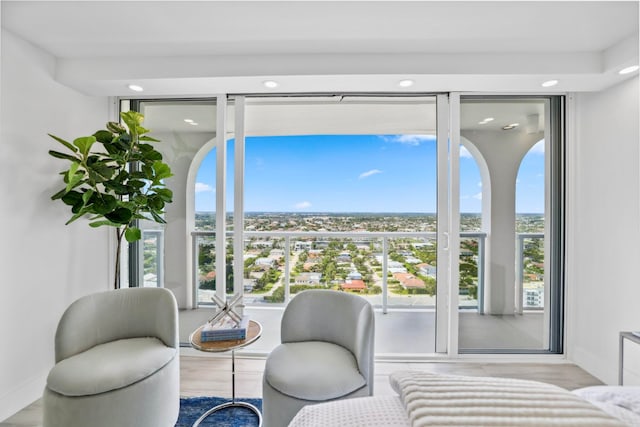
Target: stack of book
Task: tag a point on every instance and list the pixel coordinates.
(225, 328)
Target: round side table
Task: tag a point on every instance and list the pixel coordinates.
(254, 331)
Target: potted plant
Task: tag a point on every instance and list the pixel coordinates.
(115, 177)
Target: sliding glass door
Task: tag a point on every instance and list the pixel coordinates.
(510, 211)
(416, 203)
(340, 193)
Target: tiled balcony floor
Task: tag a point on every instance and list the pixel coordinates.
(401, 331)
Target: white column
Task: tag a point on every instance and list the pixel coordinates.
(503, 152)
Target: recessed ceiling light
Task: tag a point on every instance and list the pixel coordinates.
(192, 123)
(549, 83)
(628, 69)
(188, 120)
(270, 84)
(135, 88)
(406, 83)
(511, 126)
(485, 121)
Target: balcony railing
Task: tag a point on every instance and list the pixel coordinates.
(529, 286)
(529, 263)
(152, 271)
(382, 241)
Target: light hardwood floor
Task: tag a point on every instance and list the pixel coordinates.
(211, 376)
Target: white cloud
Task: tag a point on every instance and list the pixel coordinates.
(480, 184)
(302, 205)
(464, 153)
(369, 173)
(410, 139)
(201, 187)
(477, 196)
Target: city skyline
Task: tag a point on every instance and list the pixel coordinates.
(355, 173)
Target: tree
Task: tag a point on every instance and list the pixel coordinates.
(116, 184)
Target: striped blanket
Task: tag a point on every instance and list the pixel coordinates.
(450, 400)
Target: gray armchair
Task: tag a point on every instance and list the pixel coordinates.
(326, 354)
(117, 362)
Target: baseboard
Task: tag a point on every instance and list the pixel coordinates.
(22, 396)
(594, 366)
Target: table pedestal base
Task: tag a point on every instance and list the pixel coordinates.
(230, 405)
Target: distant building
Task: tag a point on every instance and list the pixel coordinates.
(302, 246)
(343, 257)
(308, 278)
(309, 265)
(427, 270)
(263, 243)
(315, 253)
(276, 253)
(412, 260)
(354, 285)
(264, 262)
(354, 275)
(409, 281)
(248, 284)
(534, 297)
(422, 245)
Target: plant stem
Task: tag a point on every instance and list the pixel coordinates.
(119, 235)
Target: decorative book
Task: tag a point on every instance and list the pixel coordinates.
(225, 328)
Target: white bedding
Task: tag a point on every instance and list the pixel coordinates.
(445, 400)
(623, 402)
(379, 411)
(427, 399)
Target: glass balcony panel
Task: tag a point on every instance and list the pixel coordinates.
(153, 258)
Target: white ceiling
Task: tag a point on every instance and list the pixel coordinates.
(208, 47)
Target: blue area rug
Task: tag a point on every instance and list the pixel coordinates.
(193, 407)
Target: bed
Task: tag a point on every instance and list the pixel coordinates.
(430, 399)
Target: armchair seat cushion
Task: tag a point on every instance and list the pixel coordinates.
(313, 370)
(109, 366)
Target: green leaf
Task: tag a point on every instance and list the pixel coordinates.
(165, 194)
(142, 131)
(162, 170)
(136, 184)
(74, 176)
(65, 143)
(71, 198)
(152, 156)
(132, 234)
(64, 156)
(140, 200)
(116, 187)
(148, 138)
(156, 203)
(145, 147)
(73, 218)
(104, 203)
(84, 143)
(96, 224)
(157, 218)
(120, 215)
(105, 172)
(116, 127)
(86, 196)
(103, 136)
(132, 119)
(59, 194)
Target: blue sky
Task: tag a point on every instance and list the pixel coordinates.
(355, 173)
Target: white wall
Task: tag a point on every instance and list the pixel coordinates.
(604, 249)
(44, 265)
